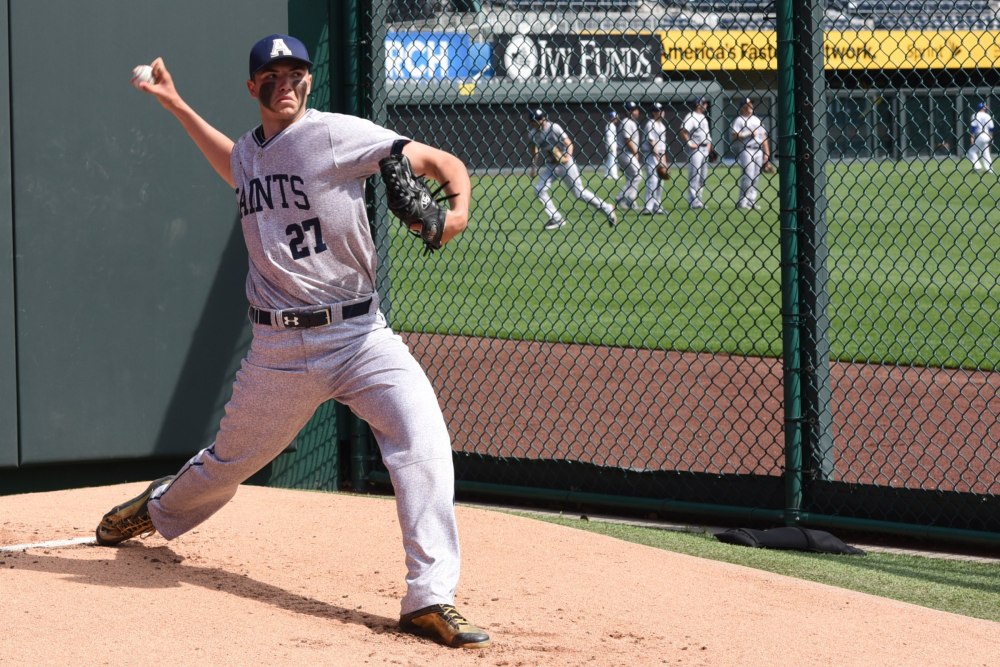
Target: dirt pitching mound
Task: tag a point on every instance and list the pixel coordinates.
(282, 577)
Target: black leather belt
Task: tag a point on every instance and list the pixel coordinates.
(303, 319)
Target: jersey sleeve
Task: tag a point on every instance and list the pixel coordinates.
(359, 144)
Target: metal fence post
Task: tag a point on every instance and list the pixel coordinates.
(811, 126)
(788, 220)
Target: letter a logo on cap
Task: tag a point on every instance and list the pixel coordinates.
(278, 48)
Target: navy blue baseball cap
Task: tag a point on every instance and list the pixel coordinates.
(612, 114)
(980, 106)
(657, 106)
(631, 106)
(537, 114)
(699, 100)
(277, 47)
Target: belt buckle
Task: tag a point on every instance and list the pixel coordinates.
(289, 320)
(329, 316)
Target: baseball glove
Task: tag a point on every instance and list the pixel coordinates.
(663, 172)
(769, 168)
(413, 202)
(713, 157)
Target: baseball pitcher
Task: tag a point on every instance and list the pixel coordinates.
(318, 333)
(552, 157)
(748, 133)
(981, 139)
(654, 147)
(694, 134)
(629, 144)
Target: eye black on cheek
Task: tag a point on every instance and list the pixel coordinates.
(266, 93)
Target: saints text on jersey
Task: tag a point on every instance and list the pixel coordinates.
(274, 190)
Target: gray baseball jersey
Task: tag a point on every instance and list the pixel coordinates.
(628, 131)
(654, 137)
(697, 128)
(548, 137)
(301, 201)
(982, 125)
(750, 131)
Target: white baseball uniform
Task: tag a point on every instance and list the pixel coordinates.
(301, 200)
(750, 137)
(981, 132)
(654, 148)
(628, 130)
(699, 144)
(549, 136)
(610, 166)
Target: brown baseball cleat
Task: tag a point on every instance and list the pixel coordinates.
(129, 519)
(443, 623)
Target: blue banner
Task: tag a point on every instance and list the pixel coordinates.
(430, 56)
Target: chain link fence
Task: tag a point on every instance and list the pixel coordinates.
(797, 322)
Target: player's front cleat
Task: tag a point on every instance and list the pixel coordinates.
(443, 623)
(555, 224)
(612, 218)
(129, 519)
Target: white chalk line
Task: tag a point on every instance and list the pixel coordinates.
(51, 544)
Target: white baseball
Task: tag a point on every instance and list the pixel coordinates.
(142, 74)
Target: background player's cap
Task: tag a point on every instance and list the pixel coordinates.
(980, 106)
(612, 114)
(745, 101)
(631, 106)
(701, 99)
(657, 106)
(537, 114)
(277, 47)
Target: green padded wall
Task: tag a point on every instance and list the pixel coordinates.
(8, 366)
(130, 263)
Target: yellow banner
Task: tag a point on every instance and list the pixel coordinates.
(692, 50)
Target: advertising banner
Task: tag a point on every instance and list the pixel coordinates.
(693, 50)
(618, 57)
(428, 56)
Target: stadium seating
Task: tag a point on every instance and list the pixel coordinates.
(759, 14)
(572, 4)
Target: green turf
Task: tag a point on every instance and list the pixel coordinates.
(912, 264)
(958, 586)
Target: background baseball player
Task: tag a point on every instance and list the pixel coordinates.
(610, 166)
(748, 133)
(694, 134)
(318, 332)
(629, 143)
(552, 157)
(654, 150)
(981, 139)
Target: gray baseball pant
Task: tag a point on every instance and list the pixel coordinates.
(570, 176)
(286, 375)
(654, 186)
(697, 175)
(633, 179)
(751, 161)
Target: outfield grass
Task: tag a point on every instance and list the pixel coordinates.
(958, 586)
(912, 263)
